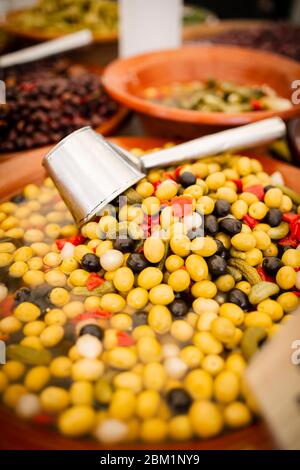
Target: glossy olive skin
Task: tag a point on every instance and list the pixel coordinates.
(22, 295)
(179, 401)
(211, 226)
(230, 225)
(271, 265)
(216, 265)
(91, 263)
(221, 250)
(222, 208)
(124, 244)
(187, 178)
(273, 217)
(137, 262)
(238, 297)
(93, 330)
(178, 308)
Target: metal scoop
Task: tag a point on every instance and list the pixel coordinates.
(90, 172)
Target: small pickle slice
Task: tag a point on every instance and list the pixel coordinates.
(27, 355)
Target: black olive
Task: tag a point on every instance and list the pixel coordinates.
(238, 297)
(273, 217)
(137, 262)
(91, 263)
(187, 179)
(18, 198)
(216, 265)
(22, 295)
(269, 186)
(125, 244)
(230, 225)
(271, 265)
(282, 249)
(221, 250)
(221, 297)
(222, 208)
(211, 226)
(178, 308)
(93, 330)
(139, 318)
(179, 401)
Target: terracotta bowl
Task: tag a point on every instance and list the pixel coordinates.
(126, 79)
(15, 173)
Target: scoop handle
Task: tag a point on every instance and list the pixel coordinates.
(241, 137)
(48, 48)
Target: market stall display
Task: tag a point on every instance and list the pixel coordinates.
(47, 100)
(182, 329)
(53, 18)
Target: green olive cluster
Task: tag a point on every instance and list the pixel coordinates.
(127, 338)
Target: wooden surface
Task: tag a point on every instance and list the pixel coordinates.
(15, 172)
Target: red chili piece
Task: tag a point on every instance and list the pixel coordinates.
(256, 105)
(177, 172)
(256, 189)
(263, 275)
(75, 240)
(239, 185)
(98, 313)
(250, 221)
(168, 176)
(124, 339)
(6, 306)
(94, 280)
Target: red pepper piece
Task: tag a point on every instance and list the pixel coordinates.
(94, 280)
(43, 419)
(290, 217)
(295, 229)
(239, 185)
(156, 184)
(6, 307)
(256, 189)
(177, 171)
(256, 105)
(296, 292)
(182, 205)
(98, 313)
(4, 338)
(60, 243)
(296, 269)
(263, 275)
(76, 240)
(27, 86)
(168, 176)
(289, 240)
(124, 339)
(250, 221)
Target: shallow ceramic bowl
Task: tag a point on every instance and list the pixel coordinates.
(126, 80)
